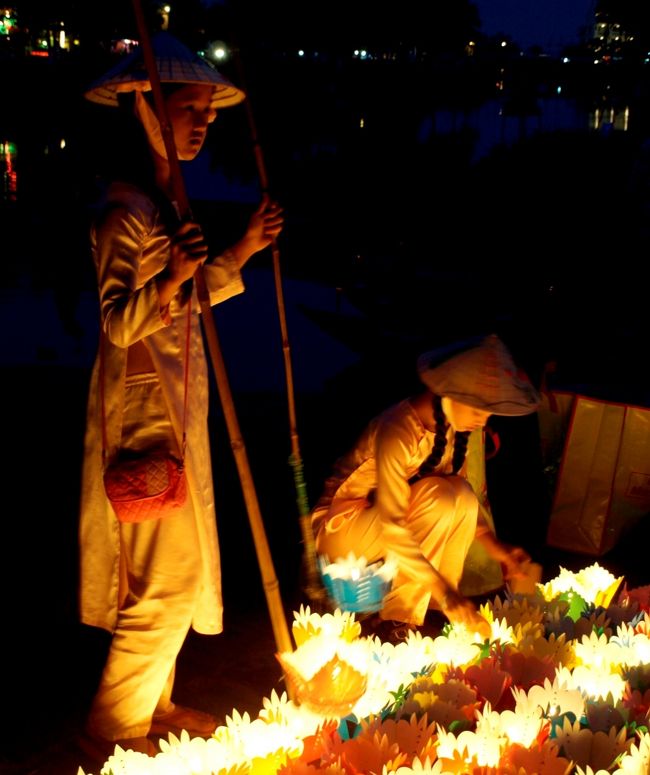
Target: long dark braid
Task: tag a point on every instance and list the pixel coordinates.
(440, 443)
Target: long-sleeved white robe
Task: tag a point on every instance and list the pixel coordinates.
(130, 246)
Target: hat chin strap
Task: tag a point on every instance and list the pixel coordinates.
(149, 121)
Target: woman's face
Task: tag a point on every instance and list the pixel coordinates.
(189, 111)
(462, 417)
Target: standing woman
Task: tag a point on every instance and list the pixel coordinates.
(148, 582)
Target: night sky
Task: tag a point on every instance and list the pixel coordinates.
(547, 23)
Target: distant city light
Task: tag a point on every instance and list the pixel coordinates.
(7, 23)
(503, 44)
(62, 143)
(217, 50)
(565, 60)
(7, 155)
(124, 46)
(164, 12)
(559, 90)
(301, 52)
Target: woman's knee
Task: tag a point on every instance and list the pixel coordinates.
(360, 535)
(433, 492)
(444, 496)
(466, 499)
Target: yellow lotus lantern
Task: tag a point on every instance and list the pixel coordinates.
(458, 648)
(637, 759)
(425, 706)
(553, 698)
(327, 675)
(594, 584)
(340, 624)
(592, 749)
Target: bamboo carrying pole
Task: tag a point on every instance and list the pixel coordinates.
(270, 582)
(313, 585)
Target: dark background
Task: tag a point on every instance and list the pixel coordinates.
(543, 240)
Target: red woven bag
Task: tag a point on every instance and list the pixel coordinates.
(149, 487)
(147, 484)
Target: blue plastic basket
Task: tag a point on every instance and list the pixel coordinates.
(363, 595)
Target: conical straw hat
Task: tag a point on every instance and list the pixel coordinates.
(176, 63)
(483, 376)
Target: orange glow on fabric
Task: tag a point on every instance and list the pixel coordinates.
(265, 562)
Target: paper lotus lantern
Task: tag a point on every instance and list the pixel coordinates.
(594, 584)
(333, 690)
(579, 690)
(354, 585)
(327, 675)
(339, 624)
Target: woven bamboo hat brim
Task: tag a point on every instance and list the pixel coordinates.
(176, 63)
(483, 376)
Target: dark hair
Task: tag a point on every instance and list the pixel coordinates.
(461, 439)
(126, 154)
(131, 157)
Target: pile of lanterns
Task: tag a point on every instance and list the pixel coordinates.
(562, 685)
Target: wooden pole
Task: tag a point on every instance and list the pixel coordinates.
(267, 570)
(313, 585)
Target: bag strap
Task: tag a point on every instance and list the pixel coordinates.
(186, 369)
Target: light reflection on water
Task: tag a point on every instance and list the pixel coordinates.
(8, 170)
(493, 126)
(490, 123)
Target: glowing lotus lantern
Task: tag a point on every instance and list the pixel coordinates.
(424, 706)
(327, 675)
(599, 584)
(594, 584)
(355, 585)
(554, 698)
(340, 624)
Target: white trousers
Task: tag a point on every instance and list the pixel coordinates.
(160, 566)
(441, 516)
